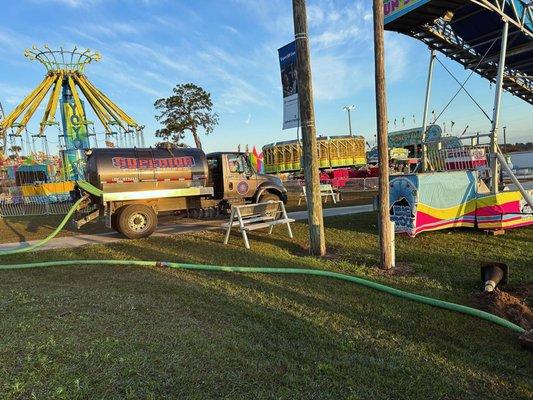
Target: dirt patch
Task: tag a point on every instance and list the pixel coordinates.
(510, 304)
(522, 291)
(332, 253)
(401, 269)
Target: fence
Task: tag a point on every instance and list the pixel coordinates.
(15, 204)
(345, 185)
(459, 158)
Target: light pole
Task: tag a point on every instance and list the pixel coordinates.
(349, 109)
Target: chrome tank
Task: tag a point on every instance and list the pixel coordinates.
(145, 169)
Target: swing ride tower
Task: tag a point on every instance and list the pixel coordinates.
(68, 89)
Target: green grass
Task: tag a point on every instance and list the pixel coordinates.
(125, 332)
(21, 229)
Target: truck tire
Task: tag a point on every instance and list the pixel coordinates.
(267, 196)
(114, 219)
(137, 221)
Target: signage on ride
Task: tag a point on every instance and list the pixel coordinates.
(75, 128)
(410, 137)
(289, 82)
(151, 163)
(403, 195)
(394, 9)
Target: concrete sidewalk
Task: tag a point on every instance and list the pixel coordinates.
(167, 228)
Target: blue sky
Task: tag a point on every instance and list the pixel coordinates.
(230, 48)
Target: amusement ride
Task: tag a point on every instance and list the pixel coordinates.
(67, 87)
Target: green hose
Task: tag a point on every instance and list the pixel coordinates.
(90, 188)
(82, 184)
(198, 267)
(61, 225)
(317, 272)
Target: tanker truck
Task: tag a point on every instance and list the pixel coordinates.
(140, 183)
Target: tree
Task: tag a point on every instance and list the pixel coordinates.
(188, 109)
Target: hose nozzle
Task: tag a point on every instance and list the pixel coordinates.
(492, 274)
(490, 286)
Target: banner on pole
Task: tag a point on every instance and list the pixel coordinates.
(289, 83)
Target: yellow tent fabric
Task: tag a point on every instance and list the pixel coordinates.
(47, 189)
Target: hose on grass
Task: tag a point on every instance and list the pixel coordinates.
(56, 231)
(217, 268)
(82, 184)
(294, 271)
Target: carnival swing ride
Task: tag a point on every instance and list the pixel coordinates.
(65, 83)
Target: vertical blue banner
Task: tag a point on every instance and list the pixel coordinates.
(289, 83)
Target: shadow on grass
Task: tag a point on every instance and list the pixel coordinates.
(246, 335)
(8, 223)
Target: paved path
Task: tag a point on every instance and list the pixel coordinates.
(166, 228)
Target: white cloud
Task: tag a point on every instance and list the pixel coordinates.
(336, 37)
(396, 56)
(13, 94)
(231, 29)
(335, 78)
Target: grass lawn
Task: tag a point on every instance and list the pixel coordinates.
(21, 229)
(125, 332)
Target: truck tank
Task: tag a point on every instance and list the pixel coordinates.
(131, 169)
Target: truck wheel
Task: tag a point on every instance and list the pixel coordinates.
(137, 221)
(114, 219)
(270, 197)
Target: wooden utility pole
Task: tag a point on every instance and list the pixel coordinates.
(385, 227)
(317, 242)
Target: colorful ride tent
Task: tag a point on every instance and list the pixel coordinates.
(494, 39)
(440, 200)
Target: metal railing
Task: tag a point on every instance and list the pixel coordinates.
(345, 185)
(360, 184)
(13, 204)
(459, 158)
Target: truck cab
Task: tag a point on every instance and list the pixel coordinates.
(235, 180)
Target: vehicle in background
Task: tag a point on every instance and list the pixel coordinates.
(333, 152)
(138, 184)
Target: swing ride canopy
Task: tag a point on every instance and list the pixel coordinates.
(65, 72)
(470, 32)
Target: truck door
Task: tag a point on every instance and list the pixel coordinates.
(240, 179)
(216, 175)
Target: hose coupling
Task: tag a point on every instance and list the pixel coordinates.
(162, 264)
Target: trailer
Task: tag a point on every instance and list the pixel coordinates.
(138, 184)
(333, 152)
